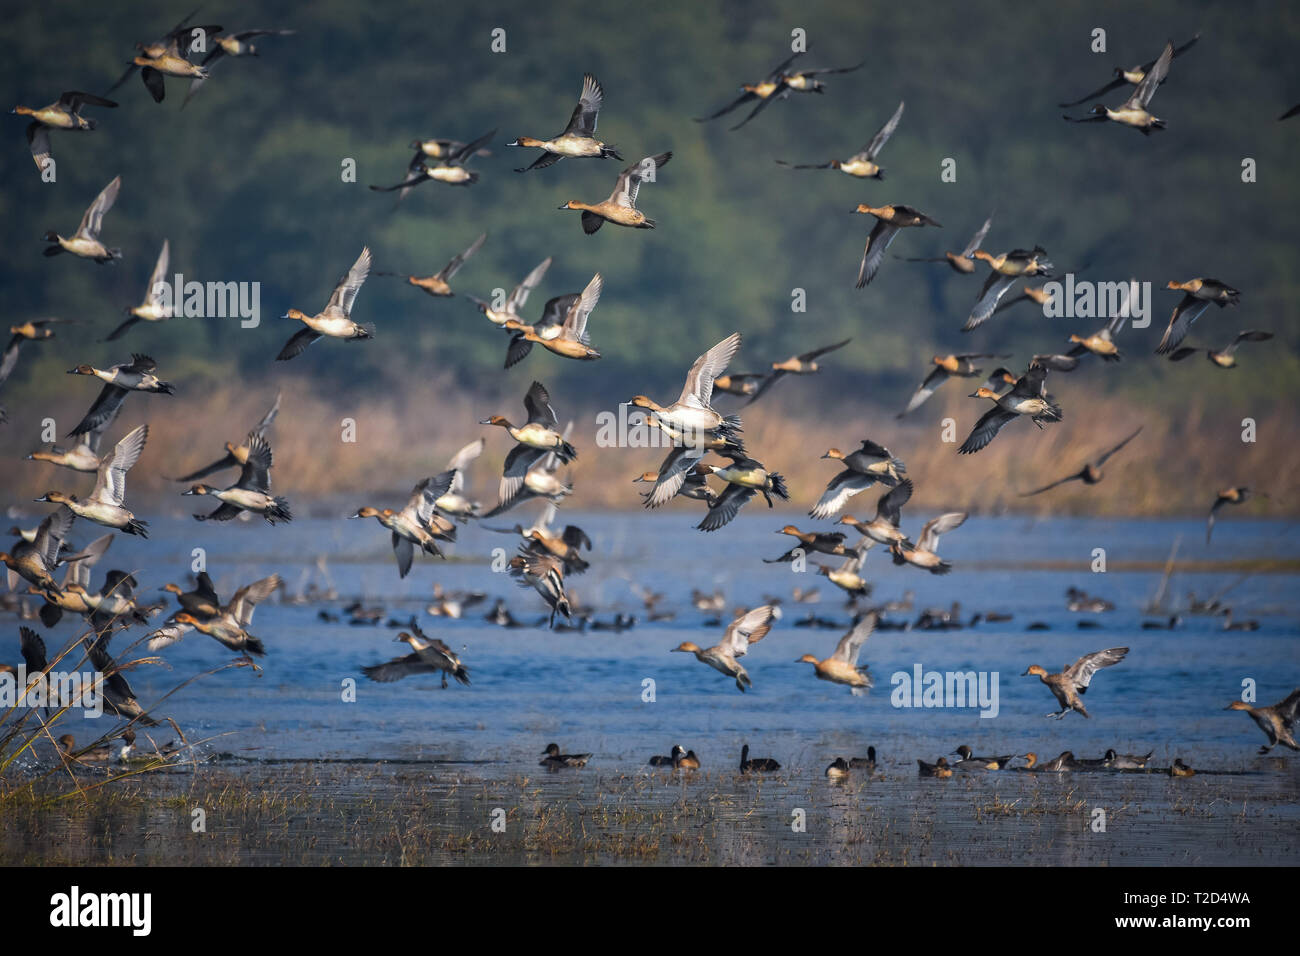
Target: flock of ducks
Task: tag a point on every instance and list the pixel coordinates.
(690, 426)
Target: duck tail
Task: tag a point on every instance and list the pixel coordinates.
(461, 675)
(254, 645)
(136, 526)
(943, 567)
(610, 152)
(731, 424)
(472, 179)
(897, 464)
(366, 331)
(898, 555)
(778, 486)
(566, 452)
(279, 511)
(164, 388)
(646, 224)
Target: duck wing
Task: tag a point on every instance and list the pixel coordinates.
(152, 295)
(927, 388)
(110, 485)
(698, 390)
(538, 405)
(1107, 456)
(935, 527)
(1153, 78)
(977, 239)
(838, 492)
(102, 412)
(749, 628)
(873, 148)
(297, 344)
(850, 644)
(583, 120)
(725, 507)
(519, 295)
(891, 502)
(1187, 311)
(397, 668)
(575, 320)
(1081, 671)
(93, 219)
(995, 287)
(345, 293)
(247, 598)
(878, 241)
(742, 98)
(986, 429)
(452, 267)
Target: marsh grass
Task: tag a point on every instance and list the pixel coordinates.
(319, 814)
(412, 431)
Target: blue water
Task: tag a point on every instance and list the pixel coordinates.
(584, 691)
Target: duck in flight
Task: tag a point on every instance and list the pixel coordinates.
(1197, 296)
(748, 628)
(1067, 685)
(1090, 473)
(335, 320)
(1134, 112)
(889, 220)
(961, 262)
(578, 138)
(84, 243)
(1130, 77)
(1027, 397)
(1226, 356)
(64, 113)
(620, 208)
(862, 164)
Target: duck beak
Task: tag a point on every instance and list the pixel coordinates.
(565, 206)
(486, 421)
(42, 498)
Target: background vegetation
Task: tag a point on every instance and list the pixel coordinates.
(245, 181)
